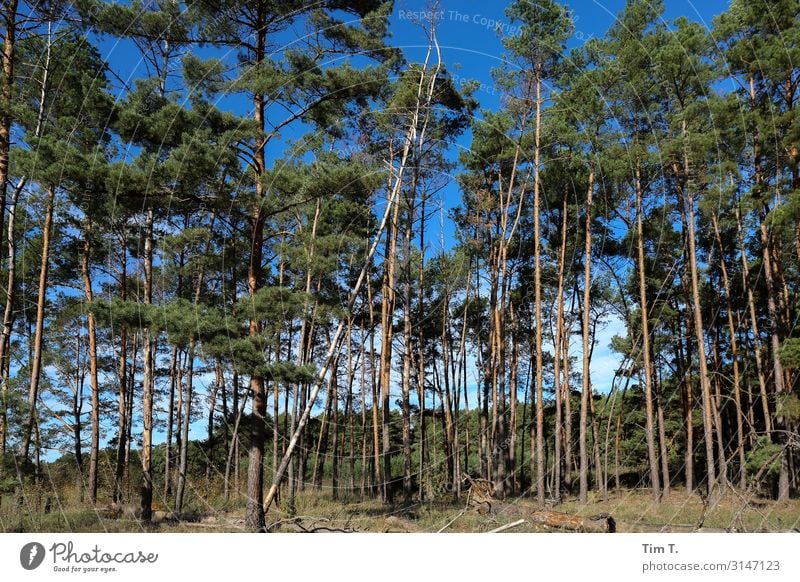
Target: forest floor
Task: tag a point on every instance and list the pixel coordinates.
(633, 511)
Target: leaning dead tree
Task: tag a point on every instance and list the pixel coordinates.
(415, 134)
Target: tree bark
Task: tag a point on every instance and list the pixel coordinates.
(122, 378)
(148, 380)
(705, 383)
(646, 349)
(6, 98)
(537, 252)
(587, 384)
(36, 363)
(558, 340)
(87, 284)
(387, 315)
(751, 304)
(737, 397)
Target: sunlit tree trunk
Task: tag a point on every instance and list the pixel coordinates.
(646, 348)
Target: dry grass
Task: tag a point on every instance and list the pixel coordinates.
(633, 510)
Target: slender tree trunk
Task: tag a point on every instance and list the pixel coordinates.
(568, 459)
(131, 384)
(8, 317)
(586, 390)
(737, 397)
(363, 416)
(87, 284)
(348, 411)
(219, 383)
(513, 385)
(722, 474)
(77, 412)
(376, 444)
(254, 512)
(688, 384)
(173, 378)
(122, 376)
(646, 349)
(558, 340)
(36, 363)
(775, 333)
(187, 420)
(387, 315)
(407, 341)
(705, 383)
(6, 97)
(421, 357)
(662, 439)
(178, 409)
(751, 304)
(148, 378)
(336, 440)
(540, 468)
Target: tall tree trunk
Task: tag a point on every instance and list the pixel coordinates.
(558, 340)
(254, 512)
(348, 410)
(537, 252)
(122, 376)
(775, 333)
(336, 440)
(662, 437)
(722, 474)
(376, 445)
(421, 357)
(131, 384)
(36, 363)
(364, 460)
(6, 97)
(87, 284)
(407, 340)
(187, 420)
(8, 318)
(513, 385)
(737, 397)
(387, 315)
(688, 375)
(568, 459)
(77, 413)
(646, 348)
(168, 468)
(751, 304)
(705, 383)
(587, 384)
(148, 380)
(178, 409)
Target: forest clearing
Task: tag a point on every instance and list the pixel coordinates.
(342, 265)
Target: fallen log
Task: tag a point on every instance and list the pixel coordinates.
(601, 523)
